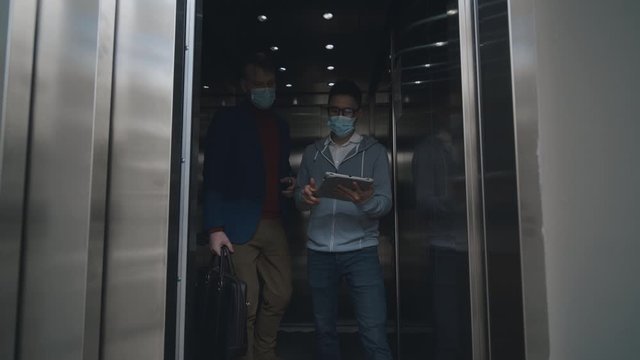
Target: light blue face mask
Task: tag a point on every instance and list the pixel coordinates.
(341, 125)
(263, 98)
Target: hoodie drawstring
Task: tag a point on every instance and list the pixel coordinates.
(362, 166)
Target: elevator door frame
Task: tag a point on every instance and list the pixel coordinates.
(184, 224)
(474, 177)
(473, 174)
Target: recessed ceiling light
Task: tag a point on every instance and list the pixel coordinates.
(327, 16)
(288, 85)
(441, 43)
(452, 12)
(417, 82)
(262, 18)
(427, 65)
(205, 87)
(329, 47)
(274, 48)
(330, 67)
(282, 68)
(331, 84)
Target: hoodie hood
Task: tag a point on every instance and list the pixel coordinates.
(322, 151)
(366, 142)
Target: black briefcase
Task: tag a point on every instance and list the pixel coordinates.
(222, 311)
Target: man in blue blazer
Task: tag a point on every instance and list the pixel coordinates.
(247, 180)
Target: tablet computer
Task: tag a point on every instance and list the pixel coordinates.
(329, 187)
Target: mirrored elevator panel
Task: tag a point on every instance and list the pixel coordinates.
(433, 268)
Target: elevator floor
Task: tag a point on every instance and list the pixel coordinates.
(299, 345)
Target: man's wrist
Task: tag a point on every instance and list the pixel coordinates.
(216, 229)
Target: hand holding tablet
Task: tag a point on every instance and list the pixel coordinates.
(346, 187)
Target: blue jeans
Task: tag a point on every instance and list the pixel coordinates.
(363, 273)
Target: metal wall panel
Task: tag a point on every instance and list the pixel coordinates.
(185, 176)
(99, 176)
(59, 306)
(17, 66)
(473, 173)
(4, 29)
(525, 106)
(504, 295)
(138, 203)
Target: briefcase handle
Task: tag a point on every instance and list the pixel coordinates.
(224, 262)
(226, 258)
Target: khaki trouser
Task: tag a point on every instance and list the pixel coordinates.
(265, 257)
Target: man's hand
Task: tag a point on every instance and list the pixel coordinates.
(356, 194)
(309, 193)
(291, 182)
(217, 240)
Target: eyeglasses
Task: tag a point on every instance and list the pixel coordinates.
(335, 111)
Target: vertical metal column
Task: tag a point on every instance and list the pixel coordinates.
(139, 183)
(66, 182)
(99, 176)
(14, 135)
(525, 108)
(473, 174)
(185, 182)
(395, 84)
(55, 142)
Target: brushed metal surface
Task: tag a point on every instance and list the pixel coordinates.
(525, 112)
(138, 202)
(185, 178)
(59, 205)
(18, 37)
(99, 176)
(473, 169)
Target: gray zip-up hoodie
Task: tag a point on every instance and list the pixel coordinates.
(336, 225)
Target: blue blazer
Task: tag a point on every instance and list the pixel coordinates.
(234, 172)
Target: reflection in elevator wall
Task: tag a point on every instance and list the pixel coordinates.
(431, 197)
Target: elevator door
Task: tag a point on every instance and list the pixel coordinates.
(428, 109)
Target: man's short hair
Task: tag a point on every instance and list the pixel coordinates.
(260, 60)
(346, 87)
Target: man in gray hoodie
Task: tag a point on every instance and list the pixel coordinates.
(343, 234)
